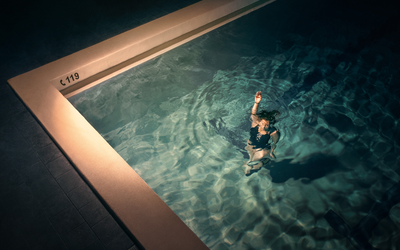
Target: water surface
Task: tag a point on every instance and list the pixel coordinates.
(181, 121)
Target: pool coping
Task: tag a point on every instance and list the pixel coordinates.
(44, 91)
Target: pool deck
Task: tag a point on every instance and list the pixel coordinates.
(44, 202)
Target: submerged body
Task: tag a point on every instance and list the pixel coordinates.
(260, 139)
(261, 132)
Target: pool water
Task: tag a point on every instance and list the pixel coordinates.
(181, 121)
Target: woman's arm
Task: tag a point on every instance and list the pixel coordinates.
(253, 116)
(275, 138)
(257, 100)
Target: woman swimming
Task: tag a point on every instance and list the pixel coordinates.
(261, 131)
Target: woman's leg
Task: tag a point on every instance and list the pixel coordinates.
(258, 155)
(252, 164)
(250, 151)
(255, 155)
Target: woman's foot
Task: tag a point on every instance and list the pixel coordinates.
(252, 163)
(247, 170)
(258, 166)
(254, 168)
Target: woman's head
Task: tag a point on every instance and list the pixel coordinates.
(264, 124)
(270, 117)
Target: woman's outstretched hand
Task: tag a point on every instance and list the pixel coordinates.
(258, 97)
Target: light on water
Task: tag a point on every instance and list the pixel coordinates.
(181, 121)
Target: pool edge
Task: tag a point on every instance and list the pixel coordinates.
(146, 216)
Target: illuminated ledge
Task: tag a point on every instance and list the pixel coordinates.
(147, 217)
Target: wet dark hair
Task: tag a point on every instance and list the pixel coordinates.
(269, 116)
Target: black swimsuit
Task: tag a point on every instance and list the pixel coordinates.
(258, 140)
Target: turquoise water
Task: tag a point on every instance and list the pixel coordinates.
(181, 121)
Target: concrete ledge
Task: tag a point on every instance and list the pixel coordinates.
(149, 219)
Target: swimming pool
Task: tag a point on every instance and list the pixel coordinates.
(181, 122)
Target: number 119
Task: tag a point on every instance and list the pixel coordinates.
(72, 77)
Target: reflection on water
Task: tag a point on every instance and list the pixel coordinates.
(181, 122)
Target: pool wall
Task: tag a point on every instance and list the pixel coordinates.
(43, 90)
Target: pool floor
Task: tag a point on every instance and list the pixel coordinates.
(181, 121)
